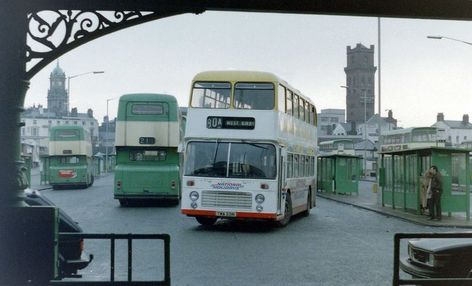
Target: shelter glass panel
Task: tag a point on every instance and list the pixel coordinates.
(458, 172)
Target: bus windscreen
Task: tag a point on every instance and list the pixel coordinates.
(246, 160)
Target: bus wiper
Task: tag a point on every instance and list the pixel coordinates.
(256, 145)
(216, 152)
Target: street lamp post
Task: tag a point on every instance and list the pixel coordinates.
(448, 38)
(74, 76)
(107, 135)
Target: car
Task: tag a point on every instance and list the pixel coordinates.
(72, 256)
(438, 258)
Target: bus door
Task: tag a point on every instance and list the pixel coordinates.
(281, 180)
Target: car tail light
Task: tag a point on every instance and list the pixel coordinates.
(118, 184)
(190, 183)
(172, 185)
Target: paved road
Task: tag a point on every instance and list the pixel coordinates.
(336, 245)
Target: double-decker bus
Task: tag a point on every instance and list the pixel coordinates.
(249, 149)
(410, 138)
(148, 133)
(70, 157)
(337, 147)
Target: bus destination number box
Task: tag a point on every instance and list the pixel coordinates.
(147, 140)
(223, 122)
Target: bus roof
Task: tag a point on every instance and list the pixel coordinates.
(80, 135)
(408, 130)
(336, 141)
(148, 97)
(67, 127)
(171, 101)
(245, 76)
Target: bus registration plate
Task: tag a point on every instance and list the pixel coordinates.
(226, 214)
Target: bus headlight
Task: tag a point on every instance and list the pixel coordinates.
(259, 208)
(194, 195)
(260, 198)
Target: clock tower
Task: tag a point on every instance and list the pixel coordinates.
(58, 99)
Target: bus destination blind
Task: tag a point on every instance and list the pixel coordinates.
(223, 122)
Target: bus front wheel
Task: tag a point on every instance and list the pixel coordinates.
(206, 221)
(288, 211)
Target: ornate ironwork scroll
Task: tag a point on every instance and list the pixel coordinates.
(53, 33)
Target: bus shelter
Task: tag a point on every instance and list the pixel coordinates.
(402, 172)
(339, 173)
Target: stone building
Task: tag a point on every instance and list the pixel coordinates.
(454, 132)
(360, 81)
(37, 120)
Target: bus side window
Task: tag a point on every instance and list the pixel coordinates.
(295, 106)
(295, 165)
(281, 99)
(314, 119)
(289, 165)
(307, 166)
(301, 169)
(301, 108)
(307, 112)
(289, 102)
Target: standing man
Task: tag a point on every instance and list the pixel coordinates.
(436, 189)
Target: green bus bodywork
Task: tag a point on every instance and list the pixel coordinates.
(70, 157)
(147, 137)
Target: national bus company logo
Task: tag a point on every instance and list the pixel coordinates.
(67, 174)
(227, 186)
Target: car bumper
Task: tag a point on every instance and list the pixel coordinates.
(417, 271)
(72, 265)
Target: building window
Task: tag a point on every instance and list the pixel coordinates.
(58, 122)
(75, 122)
(34, 122)
(465, 137)
(67, 121)
(91, 123)
(49, 122)
(83, 122)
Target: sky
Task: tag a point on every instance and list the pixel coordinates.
(420, 76)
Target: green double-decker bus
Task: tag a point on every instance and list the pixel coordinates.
(70, 157)
(148, 133)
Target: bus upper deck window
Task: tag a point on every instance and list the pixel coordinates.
(211, 94)
(259, 96)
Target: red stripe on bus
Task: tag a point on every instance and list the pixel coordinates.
(256, 215)
(198, 212)
(238, 214)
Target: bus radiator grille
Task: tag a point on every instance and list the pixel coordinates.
(229, 199)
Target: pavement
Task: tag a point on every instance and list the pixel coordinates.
(365, 199)
(372, 201)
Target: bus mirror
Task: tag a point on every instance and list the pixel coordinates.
(180, 148)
